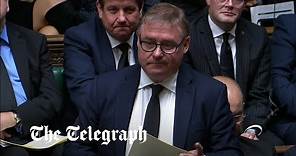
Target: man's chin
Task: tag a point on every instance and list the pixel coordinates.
(229, 19)
(156, 74)
(122, 36)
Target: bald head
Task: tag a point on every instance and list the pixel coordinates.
(234, 93)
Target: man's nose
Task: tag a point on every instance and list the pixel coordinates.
(157, 52)
(121, 16)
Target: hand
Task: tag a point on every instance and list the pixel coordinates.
(4, 135)
(250, 135)
(198, 151)
(6, 120)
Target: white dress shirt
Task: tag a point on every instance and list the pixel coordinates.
(117, 52)
(218, 38)
(167, 107)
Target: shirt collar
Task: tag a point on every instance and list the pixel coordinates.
(217, 31)
(169, 83)
(114, 42)
(4, 35)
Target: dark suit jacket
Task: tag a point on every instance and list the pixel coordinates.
(284, 74)
(201, 113)
(32, 62)
(88, 54)
(252, 63)
(283, 64)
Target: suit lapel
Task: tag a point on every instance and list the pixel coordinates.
(18, 48)
(183, 108)
(242, 55)
(209, 45)
(125, 102)
(105, 48)
(135, 49)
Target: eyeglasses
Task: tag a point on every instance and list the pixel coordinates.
(239, 118)
(167, 48)
(234, 2)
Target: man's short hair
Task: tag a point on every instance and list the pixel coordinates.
(167, 13)
(139, 2)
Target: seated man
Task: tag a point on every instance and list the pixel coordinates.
(283, 78)
(235, 99)
(223, 43)
(106, 42)
(170, 101)
(28, 93)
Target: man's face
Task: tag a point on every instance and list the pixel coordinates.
(157, 64)
(120, 17)
(225, 12)
(4, 8)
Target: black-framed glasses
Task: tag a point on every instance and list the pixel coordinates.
(167, 48)
(234, 2)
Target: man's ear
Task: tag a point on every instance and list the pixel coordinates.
(186, 44)
(99, 8)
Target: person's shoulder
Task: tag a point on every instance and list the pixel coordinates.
(23, 31)
(251, 28)
(89, 30)
(288, 20)
(201, 80)
(118, 76)
(200, 17)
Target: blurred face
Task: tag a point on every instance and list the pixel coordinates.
(225, 13)
(161, 49)
(120, 17)
(4, 8)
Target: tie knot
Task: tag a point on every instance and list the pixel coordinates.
(156, 89)
(225, 36)
(123, 47)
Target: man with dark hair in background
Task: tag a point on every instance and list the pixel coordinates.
(107, 42)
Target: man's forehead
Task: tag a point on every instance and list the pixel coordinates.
(129, 2)
(160, 26)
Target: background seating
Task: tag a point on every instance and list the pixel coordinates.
(40, 24)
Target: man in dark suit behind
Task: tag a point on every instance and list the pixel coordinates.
(189, 107)
(244, 56)
(94, 47)
(28, 93)
(283, 78)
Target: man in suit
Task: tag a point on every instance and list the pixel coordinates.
(223, 43)
(235, 99)
(28, 95)
(105, 43)
(283, 77)
(171, 101)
